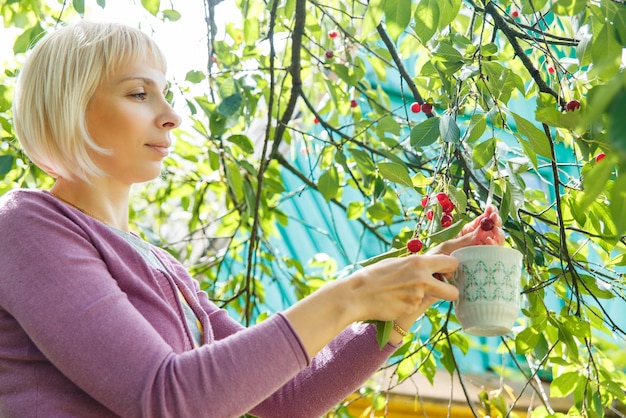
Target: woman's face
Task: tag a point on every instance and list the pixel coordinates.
(129, 115)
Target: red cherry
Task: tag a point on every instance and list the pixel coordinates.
(353, 103)
(425, 201)
(414, 245)
(600, 157)
(333, 34)
(446, 220)
(427, 108)
(416, 107)
(572, 105)
(515, 14)
(442, 197)
(551, 69)
(430, 215)
(329, 54)
(447, 206)
(316, 120)
(486, 224)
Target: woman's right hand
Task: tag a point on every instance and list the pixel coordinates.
(399, 289)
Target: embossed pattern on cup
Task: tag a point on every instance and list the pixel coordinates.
(488, 279)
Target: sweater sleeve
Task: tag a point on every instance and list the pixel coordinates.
(335, 372)
(55, 284)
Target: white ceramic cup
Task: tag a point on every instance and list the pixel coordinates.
(488, 278)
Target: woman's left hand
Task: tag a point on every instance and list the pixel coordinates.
(474, 234)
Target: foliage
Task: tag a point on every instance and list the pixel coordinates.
(320, 92)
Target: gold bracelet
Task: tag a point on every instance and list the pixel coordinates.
(397, 328)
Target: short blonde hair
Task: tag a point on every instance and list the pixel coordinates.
(56, 84)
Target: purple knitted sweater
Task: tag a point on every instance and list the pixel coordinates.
(89, 329)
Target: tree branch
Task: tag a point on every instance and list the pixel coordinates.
(512, 36)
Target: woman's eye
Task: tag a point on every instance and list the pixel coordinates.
(140, 96)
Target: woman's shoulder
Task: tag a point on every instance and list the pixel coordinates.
(20, 200)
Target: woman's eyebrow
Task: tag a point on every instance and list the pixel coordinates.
(145, 80)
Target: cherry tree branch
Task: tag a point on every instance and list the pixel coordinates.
(512, 36)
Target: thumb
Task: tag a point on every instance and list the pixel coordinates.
(455, 243)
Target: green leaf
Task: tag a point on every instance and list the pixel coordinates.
(217, 124)
(568, 339)
(171, 15)
(606, 51)
(618, 203)
(528, 151)
(363, 161)
(27, 39)
(577, 327)
(388, 125)
(230, 105)
(243, 142)
(488, 50)
(195, 76)
(355, 210)
(251, 31)
(538, 140)
(79, 6)
(448, 11)
(250, 198)
(526, 340)
(406, 367)
(428, 365)
(383, 331)
(235, 179)
(426, 18)
(617, 122)
(152, 6)
(532, 6)
(445, 234)
(6, 163)
(478, 124)
(583, 50)
(328, 183)
(395, 173)
(446, 58)
(373, 16)
(397, 17)
(447, 359)
(565, 384)
(343, 73)
(380, 212)
(568, 7)
(449, 130)
(501, 80)
(595, 181)
(425, 133)
(231, 98)
(396, 252)
(483, 152)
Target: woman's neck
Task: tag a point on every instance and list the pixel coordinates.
(100, 200)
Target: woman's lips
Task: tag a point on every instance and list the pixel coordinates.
(163, 149)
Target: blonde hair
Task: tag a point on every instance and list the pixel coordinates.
(56, 84)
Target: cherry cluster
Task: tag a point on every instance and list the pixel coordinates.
(415, 245)
(427, 108)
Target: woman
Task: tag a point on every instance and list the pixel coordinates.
(95, 322)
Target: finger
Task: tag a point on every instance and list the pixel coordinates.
(442, 290)
(460, 241)
(495, 217)
(439, 263)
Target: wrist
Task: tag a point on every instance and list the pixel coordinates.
(340, 299)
